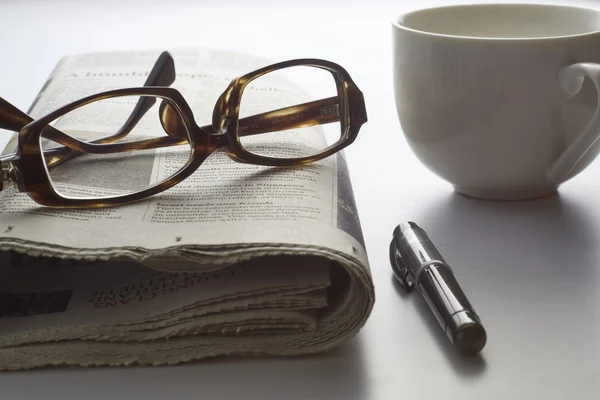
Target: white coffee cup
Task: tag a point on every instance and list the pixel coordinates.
(492, 97)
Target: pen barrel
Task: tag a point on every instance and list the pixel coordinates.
(435, 280)
(452, 309)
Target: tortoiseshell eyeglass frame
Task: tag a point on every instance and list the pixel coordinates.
(28, 167)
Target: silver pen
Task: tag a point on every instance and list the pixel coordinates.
(416, 262)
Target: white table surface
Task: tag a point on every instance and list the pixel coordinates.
(531, 269)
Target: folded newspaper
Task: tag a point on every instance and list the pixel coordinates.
(243, 260)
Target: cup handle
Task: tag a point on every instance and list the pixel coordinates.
(570, 79)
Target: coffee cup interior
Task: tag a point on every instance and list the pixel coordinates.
(503, 21)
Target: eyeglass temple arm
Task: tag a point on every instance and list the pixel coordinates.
(313, 113)
(59, 155)
(317, 112)
(162, 74)
(11, 118)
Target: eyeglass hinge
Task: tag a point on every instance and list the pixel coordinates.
(7, 175)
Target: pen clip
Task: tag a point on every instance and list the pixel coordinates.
(399, 267)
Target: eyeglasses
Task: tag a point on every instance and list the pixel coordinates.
(108, 149)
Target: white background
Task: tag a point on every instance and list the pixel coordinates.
(531, 269)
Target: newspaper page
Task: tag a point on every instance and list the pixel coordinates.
(281, 249)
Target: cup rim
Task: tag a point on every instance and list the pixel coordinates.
(396, 23)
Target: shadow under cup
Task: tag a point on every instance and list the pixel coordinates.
(492, 98)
